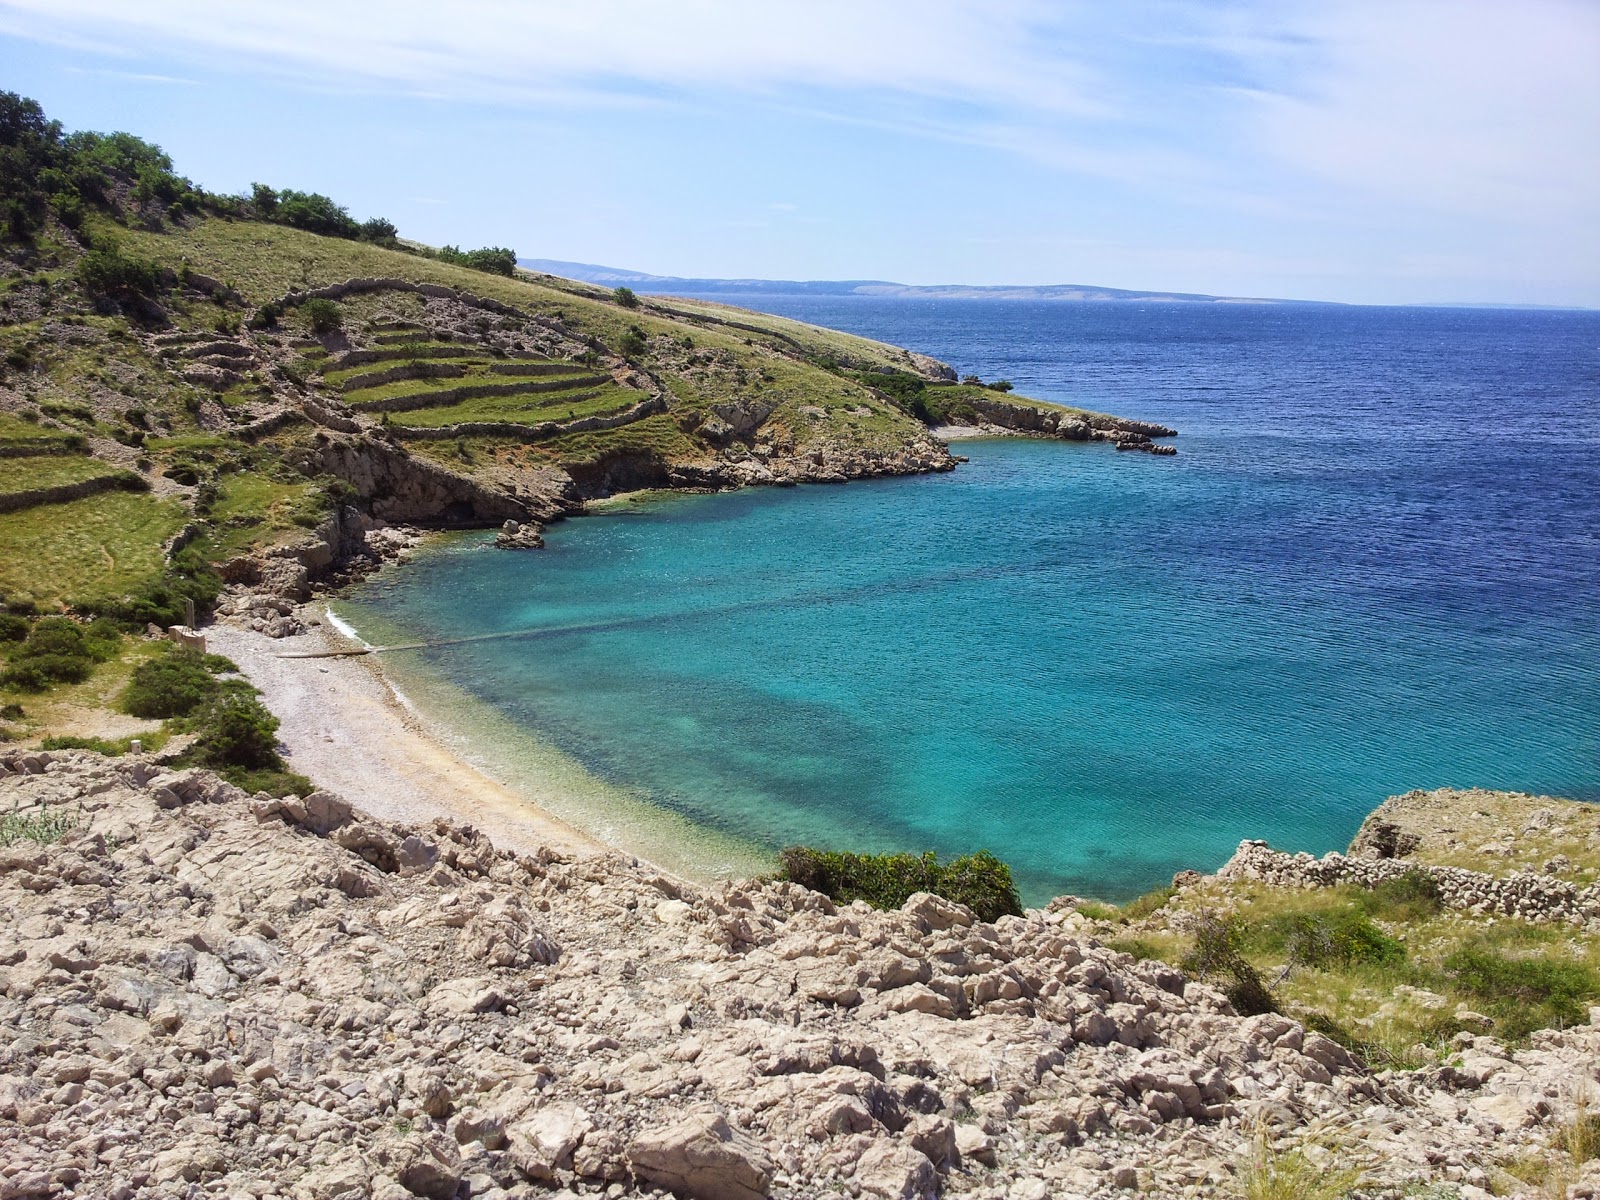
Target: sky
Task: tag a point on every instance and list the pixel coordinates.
(1371, 151)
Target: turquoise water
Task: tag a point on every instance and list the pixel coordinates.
(1103, 667)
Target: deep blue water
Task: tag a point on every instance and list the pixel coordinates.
(1374, 565)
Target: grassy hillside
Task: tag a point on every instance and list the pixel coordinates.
(196, 387)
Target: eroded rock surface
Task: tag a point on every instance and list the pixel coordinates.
(208, 993)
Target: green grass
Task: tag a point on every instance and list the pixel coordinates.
(526, 409)
(1385, 970)
(254, 510)
(17, 434)
(367, 398)
(101, 544)
(53, 470)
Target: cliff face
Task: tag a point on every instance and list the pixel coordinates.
(254, 996)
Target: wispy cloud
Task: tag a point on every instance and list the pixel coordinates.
(135, 76)
(1337, 114)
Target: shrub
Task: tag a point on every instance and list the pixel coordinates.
(324, 316)
(626, 297)
(980, 881)
(105, 273)
(1523, 994)
(238, 731)
(1000, 385)
(161, 601)
(315, 213)
(266, 317)
(633, 343)
(44, 827)
(379, 231)
(57, 650)
(496, 260)
(171, 685)
(12, 628)
(112, 748)
(1218, 955)
(1142, 906)
(1341, 939)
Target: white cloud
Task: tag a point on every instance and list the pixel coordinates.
(1473, 106)
(1354, 122)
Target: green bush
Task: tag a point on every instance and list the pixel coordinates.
(324, 316)
(633, 343)
(112, 748)
(980, 881)
(161, 601)
(1142, 906)
(12, 628)
(1524, 994)
(171, 685)
(1340, 939)
(236, 730)
(105, 273)
(272, 780)
(625, 296)
(57, 650)
(1218, 956)
(496, 260)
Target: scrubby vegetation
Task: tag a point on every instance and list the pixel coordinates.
(44, 825)
(59, 650)
(980, 881)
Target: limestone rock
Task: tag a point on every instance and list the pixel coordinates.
(704, 1158)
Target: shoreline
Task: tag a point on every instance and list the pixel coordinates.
(409, 746)
(351, 730)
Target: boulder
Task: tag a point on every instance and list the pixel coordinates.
(704, 1158)
(896, 1172)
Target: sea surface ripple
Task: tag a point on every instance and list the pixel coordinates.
(1374, 566)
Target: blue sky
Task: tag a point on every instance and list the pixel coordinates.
(1381, 151)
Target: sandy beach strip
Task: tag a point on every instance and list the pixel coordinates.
(346, 727)
(959, 433)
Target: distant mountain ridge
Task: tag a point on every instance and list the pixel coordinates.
(617, 276)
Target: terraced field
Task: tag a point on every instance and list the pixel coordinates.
(19, 437)
(437, 384)
(102, 544)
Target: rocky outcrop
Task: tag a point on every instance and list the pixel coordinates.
(1021, 417)
(396, 486)
(206, 992)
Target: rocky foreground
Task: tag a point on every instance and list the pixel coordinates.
(207, 993)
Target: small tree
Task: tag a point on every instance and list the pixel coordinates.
(324, 316)
(625, 297)
(264, 199)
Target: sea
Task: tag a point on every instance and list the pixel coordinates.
(1373, 566)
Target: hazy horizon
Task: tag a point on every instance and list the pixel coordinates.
(1415, 152)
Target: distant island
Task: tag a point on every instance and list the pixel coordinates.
(674, 284)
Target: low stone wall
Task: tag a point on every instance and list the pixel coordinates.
(61, 493)
(530, 433)
(475, 391)
(269, 424)
(1519, 894)
(44, 447)
(356, 287)
(405, 370)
